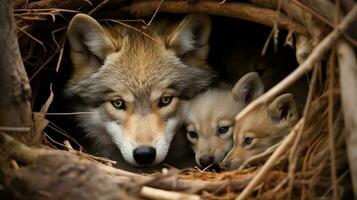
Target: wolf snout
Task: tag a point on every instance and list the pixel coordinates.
(206, 160)
(144, 155)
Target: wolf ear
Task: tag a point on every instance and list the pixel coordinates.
(190, 39)
(89, 43)
(283, 109)
(248, 88)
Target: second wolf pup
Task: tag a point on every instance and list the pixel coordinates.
(209, 118)
(260, 129)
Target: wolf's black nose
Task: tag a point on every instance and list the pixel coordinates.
(144, 155)
(206, 160)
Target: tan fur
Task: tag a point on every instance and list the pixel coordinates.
(114, 62)
(147, 53)
(217, 108)
(265, 125)
(204, 115)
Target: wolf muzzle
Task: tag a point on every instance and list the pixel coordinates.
(144, 155)
(206, 160)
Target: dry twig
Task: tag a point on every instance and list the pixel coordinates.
(265, 153)
(347, 67)
(331, 138)
(315, 56)
(324, 20)
(293, 153)
(232, 9)
(153, 193)
(14, 129)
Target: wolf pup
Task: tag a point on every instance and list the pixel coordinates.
(209, 118)
(132, 84)
(261, 129)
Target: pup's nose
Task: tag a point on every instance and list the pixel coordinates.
(225, 165)
(206, 160)
(144, 155)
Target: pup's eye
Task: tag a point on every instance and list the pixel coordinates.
(165, 101)
(223, 129)
(247, 141)
(118, 104)
(192, 134)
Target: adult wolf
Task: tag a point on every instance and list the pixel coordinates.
(132, 83)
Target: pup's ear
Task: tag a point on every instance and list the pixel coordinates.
(283, 109)
(89, 43)
(190, 39)
(248, 88)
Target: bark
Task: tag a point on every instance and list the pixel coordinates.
(61, 4)
(348, 77)
(55, 174)
(238, 10)
(51, 174)
(60, 176)
(15, 110)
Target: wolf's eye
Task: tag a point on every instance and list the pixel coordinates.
(118, 104)
(165, 101)
(247, 141)
(223, 129)
(192, 134)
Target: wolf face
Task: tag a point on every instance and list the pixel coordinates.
(132, 84)
(261, 129)
(209, 118)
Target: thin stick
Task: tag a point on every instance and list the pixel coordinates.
(98, 7)
(136, 29)
(52, 140)
(276, 27)
(71, 113)
(339, 180)
(34, 18)
(271, 161)
(14, 165)
(293, 156)
(60, 55)
(54, 127)
(42, 66)
(348, 80)
(324, 20)
(34, 10)
(331, 138)
(266, 44)
(153, 193)
(68, 146)
(14, 129)
(259, 156)
(53, 35)
(155, 13)
(309, 63)
(33, 38)
(281, 184)
(331, 111)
